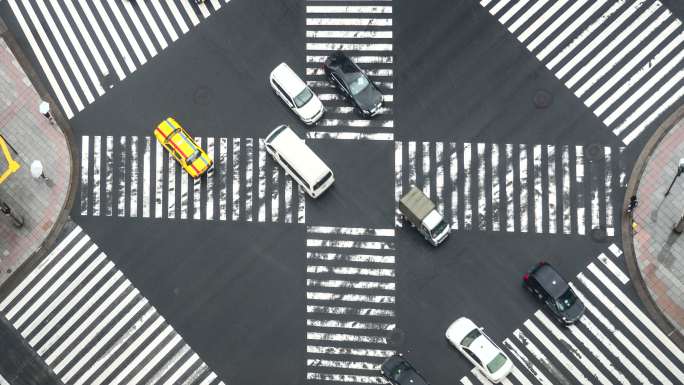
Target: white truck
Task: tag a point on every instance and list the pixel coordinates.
(421, 212)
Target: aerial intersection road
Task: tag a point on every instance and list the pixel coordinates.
(521, 120)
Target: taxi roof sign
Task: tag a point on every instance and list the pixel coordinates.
(12, 166)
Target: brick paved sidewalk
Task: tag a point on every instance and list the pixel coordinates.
(659, 251)
(30, 134)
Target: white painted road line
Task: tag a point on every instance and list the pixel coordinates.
(636, 352)
(560, 357)
(566, 342)
(596, 292)
(655, 331)
(526, 363)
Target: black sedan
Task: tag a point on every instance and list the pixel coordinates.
(545, 282)
(354, 83)
(398, 371)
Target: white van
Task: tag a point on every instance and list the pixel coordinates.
(302, 164)
(296, 94)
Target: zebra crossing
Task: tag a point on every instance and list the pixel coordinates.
(613, 343)
(350, 303)
(363, 30)
(536, 188)
(621, 58)
(93, 44)
(92, 326)
(131, 176)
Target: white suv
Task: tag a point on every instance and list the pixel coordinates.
(296, 94)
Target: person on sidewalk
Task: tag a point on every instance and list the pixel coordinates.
(633, 203)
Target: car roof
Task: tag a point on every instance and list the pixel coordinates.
(459, 329)
(293, 149)
(180, 140)
(484, 349)
(550, 280)
(290, 82)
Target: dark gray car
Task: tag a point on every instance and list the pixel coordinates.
(545, 282)
(399, 371)
(353, 83)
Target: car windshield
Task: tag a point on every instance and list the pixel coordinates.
(496, 363)
(468, 339)
(399, 370)
(438, 229)
(194, 156)
(566, 300)
(322, 181)
(358, 84)
(303, 97)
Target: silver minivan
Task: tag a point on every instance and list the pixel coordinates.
(299, 161)
(296, 94)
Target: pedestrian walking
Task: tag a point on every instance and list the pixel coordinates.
(44, 108)
(634, 227)
(633, 203)
(37, 170)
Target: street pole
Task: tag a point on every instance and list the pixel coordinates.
(680, 170)
(679, 226)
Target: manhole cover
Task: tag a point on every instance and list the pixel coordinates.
(202, 96)
(594, 151)
(598, 234)
(108, 81)
(176, 291)
(542, 99)
(396, 337)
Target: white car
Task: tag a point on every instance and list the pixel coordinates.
(296, 94)
(471, 341)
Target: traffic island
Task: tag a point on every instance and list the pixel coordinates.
(654, 250)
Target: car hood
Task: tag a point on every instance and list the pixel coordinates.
(368, 98)
(574, 312)
(459, 329)
(310, 109)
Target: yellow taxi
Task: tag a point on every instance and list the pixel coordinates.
(181, 145)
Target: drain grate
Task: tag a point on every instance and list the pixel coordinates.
(542, 99)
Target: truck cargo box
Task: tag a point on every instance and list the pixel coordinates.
(415, 205)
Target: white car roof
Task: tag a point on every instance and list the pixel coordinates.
(299, 155)
(481, 346)
(291, 83)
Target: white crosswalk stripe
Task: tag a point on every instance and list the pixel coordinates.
(507, 187)
(245, 183)
(595, 47)
(623, 347)
(350, 302)
(85, 319)
(116, 25)
(365, 33)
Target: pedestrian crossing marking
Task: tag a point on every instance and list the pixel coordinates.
(365, 33)
(585, 352)
(350, 302)
(509, 187)
(85, 319)
(622, 59)
(527, 364)
(120, 174)
(116, 25)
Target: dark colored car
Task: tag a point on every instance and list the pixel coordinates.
(353, 83)
(398, 371)
(545, 282)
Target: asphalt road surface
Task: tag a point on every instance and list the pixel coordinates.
(256, 284)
